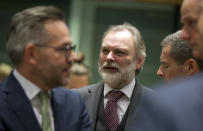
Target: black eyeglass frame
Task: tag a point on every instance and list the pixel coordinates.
(67, 49)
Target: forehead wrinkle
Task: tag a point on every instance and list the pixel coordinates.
(120, 39)
(114, 46)
(187, 9)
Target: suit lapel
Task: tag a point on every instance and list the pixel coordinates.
(135, 97)
(134, 102)
(96, 93)
(20, 104)
(58, 111)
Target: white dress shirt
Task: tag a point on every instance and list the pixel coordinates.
(124, 101)
(32, 91)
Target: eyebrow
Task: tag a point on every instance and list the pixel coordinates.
(66, 43)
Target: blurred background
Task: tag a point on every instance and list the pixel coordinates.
(88, 19)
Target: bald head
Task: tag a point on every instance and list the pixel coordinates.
(200, 28)
(190, 12)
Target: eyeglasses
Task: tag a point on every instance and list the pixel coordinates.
(67, 49)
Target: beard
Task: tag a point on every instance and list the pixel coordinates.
(119, 79)
(52, 75)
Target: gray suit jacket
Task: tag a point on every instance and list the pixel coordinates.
(92, 95)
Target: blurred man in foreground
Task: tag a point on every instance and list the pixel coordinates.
(40, 47)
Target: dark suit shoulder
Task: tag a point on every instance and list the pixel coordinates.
(144, 90)
(173, 106)
(181, 87)
(64, 94)
(84, 91)
(3, 102)
(69, 108)
(3, 96)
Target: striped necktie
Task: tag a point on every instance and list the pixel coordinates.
(46, 121)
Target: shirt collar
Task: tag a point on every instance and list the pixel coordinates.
(127, 90)
(31, 90)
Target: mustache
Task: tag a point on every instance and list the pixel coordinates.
(111, 64)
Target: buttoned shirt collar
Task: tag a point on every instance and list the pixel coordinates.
(127, 90)
(31, 90)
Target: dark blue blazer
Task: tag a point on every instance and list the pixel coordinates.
(16, 113)
(177, 106)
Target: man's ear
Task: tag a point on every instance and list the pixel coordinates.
(140, 63)
(191, 67)
(30, 53)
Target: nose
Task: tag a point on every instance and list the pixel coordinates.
(72, 57)
(185, 35)
(110, 57)
(159, 72)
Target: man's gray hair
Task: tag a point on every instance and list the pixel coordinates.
(27, 26)
(180, 50)
(140, 48)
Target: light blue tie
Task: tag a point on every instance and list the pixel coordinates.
(46, 121)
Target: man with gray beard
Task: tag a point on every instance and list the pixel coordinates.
(112, 103)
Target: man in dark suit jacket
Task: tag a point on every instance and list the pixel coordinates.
(121, 58)
(40, 46)
(93, 94)
(176, 58)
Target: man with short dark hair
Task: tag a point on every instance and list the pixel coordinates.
(176, 58)
(40, 47)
